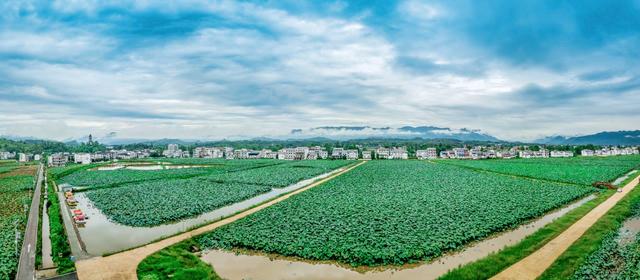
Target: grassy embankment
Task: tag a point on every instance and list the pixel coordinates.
(176, 262)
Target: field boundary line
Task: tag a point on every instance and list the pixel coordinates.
(123, 265)
(532, 266)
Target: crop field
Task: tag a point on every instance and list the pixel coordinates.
(14, 195)
(394, 212)
(149, 198)
(108, 178)
(579, 170)
(157, 202)
(280, 175)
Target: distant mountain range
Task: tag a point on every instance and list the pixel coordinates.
(405, 132)
(602, 138)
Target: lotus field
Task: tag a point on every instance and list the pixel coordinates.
(394, 212)
(578, 170)
(14, 195)
(280, 175)
(111, 178)
(149, 198)
(156, 202)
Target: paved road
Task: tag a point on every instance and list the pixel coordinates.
(123, 265)
(27, 262)
(535, 264)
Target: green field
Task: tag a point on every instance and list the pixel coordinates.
(394, 212)
(149, 198)
(14, 195)
(280, 175)
(84, 177)
(577, 170)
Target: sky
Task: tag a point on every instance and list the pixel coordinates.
(517, 70)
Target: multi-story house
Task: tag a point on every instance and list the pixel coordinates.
(587, 153)
(82, 158)
(555, 154)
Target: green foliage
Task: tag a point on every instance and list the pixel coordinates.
(176, 262)
(153, 202)
(60, 249)
(394, 212)
(494, 263)
(108, 178)
(280, 175)
(156, 202)
(577, 170)
(14, 195)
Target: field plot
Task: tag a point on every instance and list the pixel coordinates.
(394, 212)
(161, 196)
(578, 170)
(156, 202)
(108, 178)
(280, 175)
(14, 195)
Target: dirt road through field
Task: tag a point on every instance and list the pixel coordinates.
(535, 264)
(123, 265)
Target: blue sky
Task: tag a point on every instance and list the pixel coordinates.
(517, 70)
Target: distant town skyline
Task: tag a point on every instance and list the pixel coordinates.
(516, 70)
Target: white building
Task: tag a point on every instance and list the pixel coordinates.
(542, 153)
(337, 153)
(351, 154)
(269, 154)
(82, 158)
(7, 155)
(367, 154)
(429, 153)
(173, 151)
(398, 153)
(22, 157)
(555, 154)
(587, 153)
(57, 159)
(208, 152)
(461, 153)
(37, 157)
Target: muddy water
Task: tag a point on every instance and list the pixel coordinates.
(102, 236)
(621, 179)
(229, 265)
(627, 233)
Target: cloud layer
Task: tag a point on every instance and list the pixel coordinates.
(214, 69)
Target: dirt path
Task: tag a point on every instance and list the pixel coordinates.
(535, 264)
(123, 265)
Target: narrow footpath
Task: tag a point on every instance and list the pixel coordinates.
(123, 265)
(535, 264)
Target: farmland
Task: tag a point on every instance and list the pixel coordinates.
(149, 198)
(280, 175)
(108, 178)
(394, 212)
(579, 170)
(14, 195)
(156, 202)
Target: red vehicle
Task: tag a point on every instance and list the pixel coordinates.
(77, 212)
